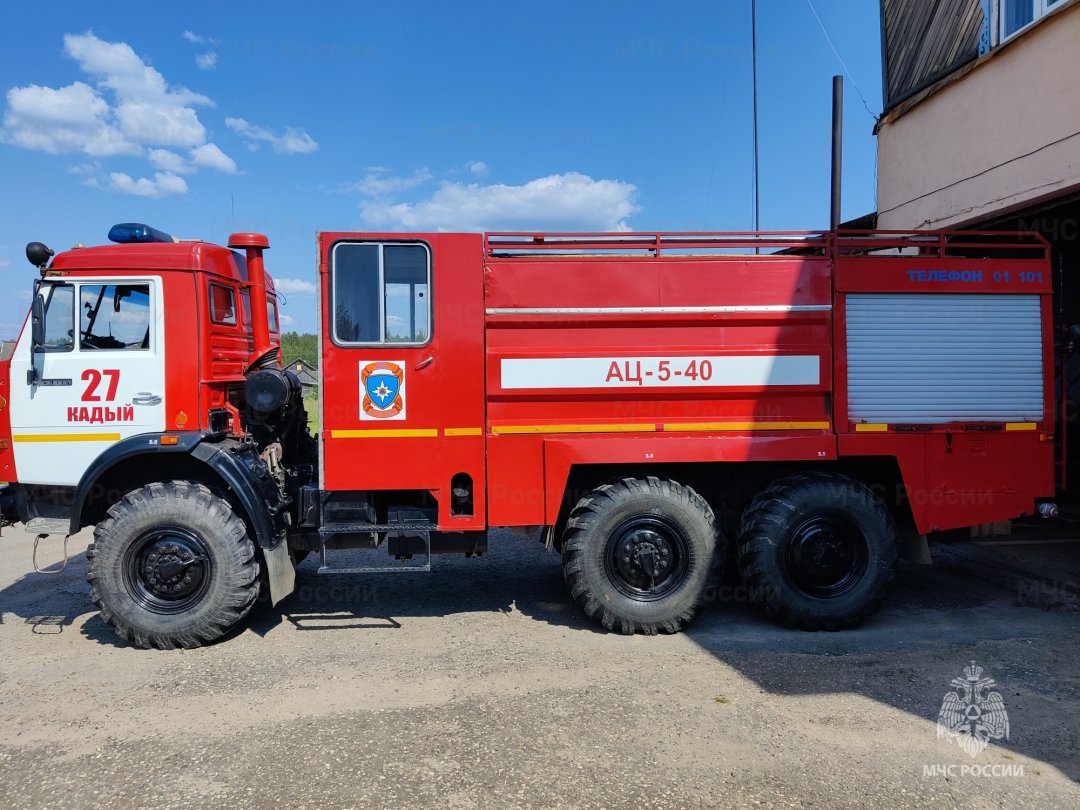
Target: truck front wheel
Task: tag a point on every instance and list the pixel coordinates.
(172, 565)
(640, 553)
(817, 551)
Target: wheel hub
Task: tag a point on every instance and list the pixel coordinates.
(168, 570)
(172, 568)
(646, 559)
(826, 556)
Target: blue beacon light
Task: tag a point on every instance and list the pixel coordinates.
(127, 233)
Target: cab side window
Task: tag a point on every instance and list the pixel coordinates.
(59, 317)
(222, 305)
(114, 316)
(272, 316)
(381, 293)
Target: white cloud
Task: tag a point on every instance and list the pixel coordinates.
(294, 286)
(60, 120)
(164, 184)
(206, 61)
(160, 124)
(85, 169)
(570, 201)
(211, 157)
(126, 107)
(378, 182)
(477, 168)
(294, 141)
(286, 320)
(121, 70)
(168, 161)
(207, 156)
(144, 109)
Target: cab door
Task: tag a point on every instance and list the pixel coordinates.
(401, 397)
(97, 378)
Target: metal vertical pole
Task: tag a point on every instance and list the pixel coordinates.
(753, 54)
(837, 148)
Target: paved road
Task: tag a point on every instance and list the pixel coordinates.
(480, 685)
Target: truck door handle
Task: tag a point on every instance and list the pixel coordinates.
(145, 398)
(427, 361)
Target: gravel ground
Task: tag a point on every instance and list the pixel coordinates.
(481, 685)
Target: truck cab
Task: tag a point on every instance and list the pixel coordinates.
(139, 338)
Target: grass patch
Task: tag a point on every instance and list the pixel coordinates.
(311, 405)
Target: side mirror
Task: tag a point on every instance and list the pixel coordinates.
(37, 323)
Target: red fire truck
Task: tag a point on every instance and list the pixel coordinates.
(640, 400)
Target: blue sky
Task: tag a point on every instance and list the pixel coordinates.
(202, 119)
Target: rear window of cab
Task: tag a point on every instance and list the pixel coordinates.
(223, 309)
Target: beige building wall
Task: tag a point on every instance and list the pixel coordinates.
(997, 135)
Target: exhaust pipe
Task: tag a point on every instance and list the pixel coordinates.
(254, 244)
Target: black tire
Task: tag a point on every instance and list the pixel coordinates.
(619, 533)
(172, 565)
(817, 551)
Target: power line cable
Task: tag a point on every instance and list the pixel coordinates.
(840, 59)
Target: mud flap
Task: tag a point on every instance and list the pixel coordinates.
(914, 547)
(279, 571)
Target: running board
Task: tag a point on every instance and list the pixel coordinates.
(422, 529)
(45, 526)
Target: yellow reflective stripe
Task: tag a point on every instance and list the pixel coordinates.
(473, 431)
(67, 437)
(404, 433)
(643, 427)
(400, 433)
(867, 427)
(1020, 426)
(634, 428)
(741, 426)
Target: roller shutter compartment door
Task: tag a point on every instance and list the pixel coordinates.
(928, 359)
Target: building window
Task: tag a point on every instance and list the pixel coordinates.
(381, 293)
(1016, 15)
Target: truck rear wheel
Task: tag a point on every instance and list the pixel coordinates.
(172, 565)
(817, 551)
(639, 554)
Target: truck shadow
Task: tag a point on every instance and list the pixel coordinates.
(938, 619)
(513, 574)
(936, 622)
